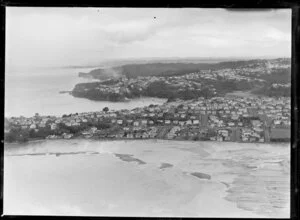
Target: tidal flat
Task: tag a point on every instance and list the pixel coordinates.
(147, 178)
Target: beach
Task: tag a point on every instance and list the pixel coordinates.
(147, 178)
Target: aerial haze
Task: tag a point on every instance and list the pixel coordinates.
(87, 36)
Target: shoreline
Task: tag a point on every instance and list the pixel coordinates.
(141, 139)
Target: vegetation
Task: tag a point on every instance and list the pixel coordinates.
(168, 69)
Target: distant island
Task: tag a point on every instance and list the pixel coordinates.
(187, 80)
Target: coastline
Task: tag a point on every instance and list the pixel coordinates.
(125, 100)
(141, 139)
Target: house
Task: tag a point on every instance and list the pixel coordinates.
(244, 138)
(68, 124)
(235, 117)
(67, 136)
(195, 122)
(75, 124)
(255, 122)
(57, 121)
(181, 123)
(224, 132)
(120, 134)
(113, 121)
(145, 135)
(93, 129)
(189, 122)
(113, 115)
(136, 123)
(33, 126)
(129, 121)
(277, 122)
(175, 122)
(150, 122)
(52, 137)
(119, 122)
(53, 126)
(231, 124)
(144, 122)
(130, 135)
(167, 122)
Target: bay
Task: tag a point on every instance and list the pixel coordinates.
(37, 91)
(124, 178)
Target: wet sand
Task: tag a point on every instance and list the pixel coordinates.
(165, 165)
(147, 178)
(129, 158)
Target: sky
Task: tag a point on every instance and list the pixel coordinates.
(86, 36)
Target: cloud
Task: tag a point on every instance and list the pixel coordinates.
(68, 36)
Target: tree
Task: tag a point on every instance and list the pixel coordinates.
(105, 109)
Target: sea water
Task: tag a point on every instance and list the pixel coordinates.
(37, 91)
(129, 178)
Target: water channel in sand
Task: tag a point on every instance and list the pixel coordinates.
(147, 178)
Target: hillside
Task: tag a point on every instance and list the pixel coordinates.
(168, 69)
(187, 80)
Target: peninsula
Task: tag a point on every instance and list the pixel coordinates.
(187, 81)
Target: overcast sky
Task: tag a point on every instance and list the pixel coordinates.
(83, 36)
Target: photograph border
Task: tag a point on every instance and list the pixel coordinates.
(232, 5)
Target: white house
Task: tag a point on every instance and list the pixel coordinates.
(195, 122)
(53, 126)
(167, 122)
(33, 126)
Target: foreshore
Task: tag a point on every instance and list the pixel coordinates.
(138, 139)
(238, 179)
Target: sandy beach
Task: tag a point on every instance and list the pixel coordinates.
(147, 178)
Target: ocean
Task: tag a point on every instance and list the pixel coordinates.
(37, 91)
